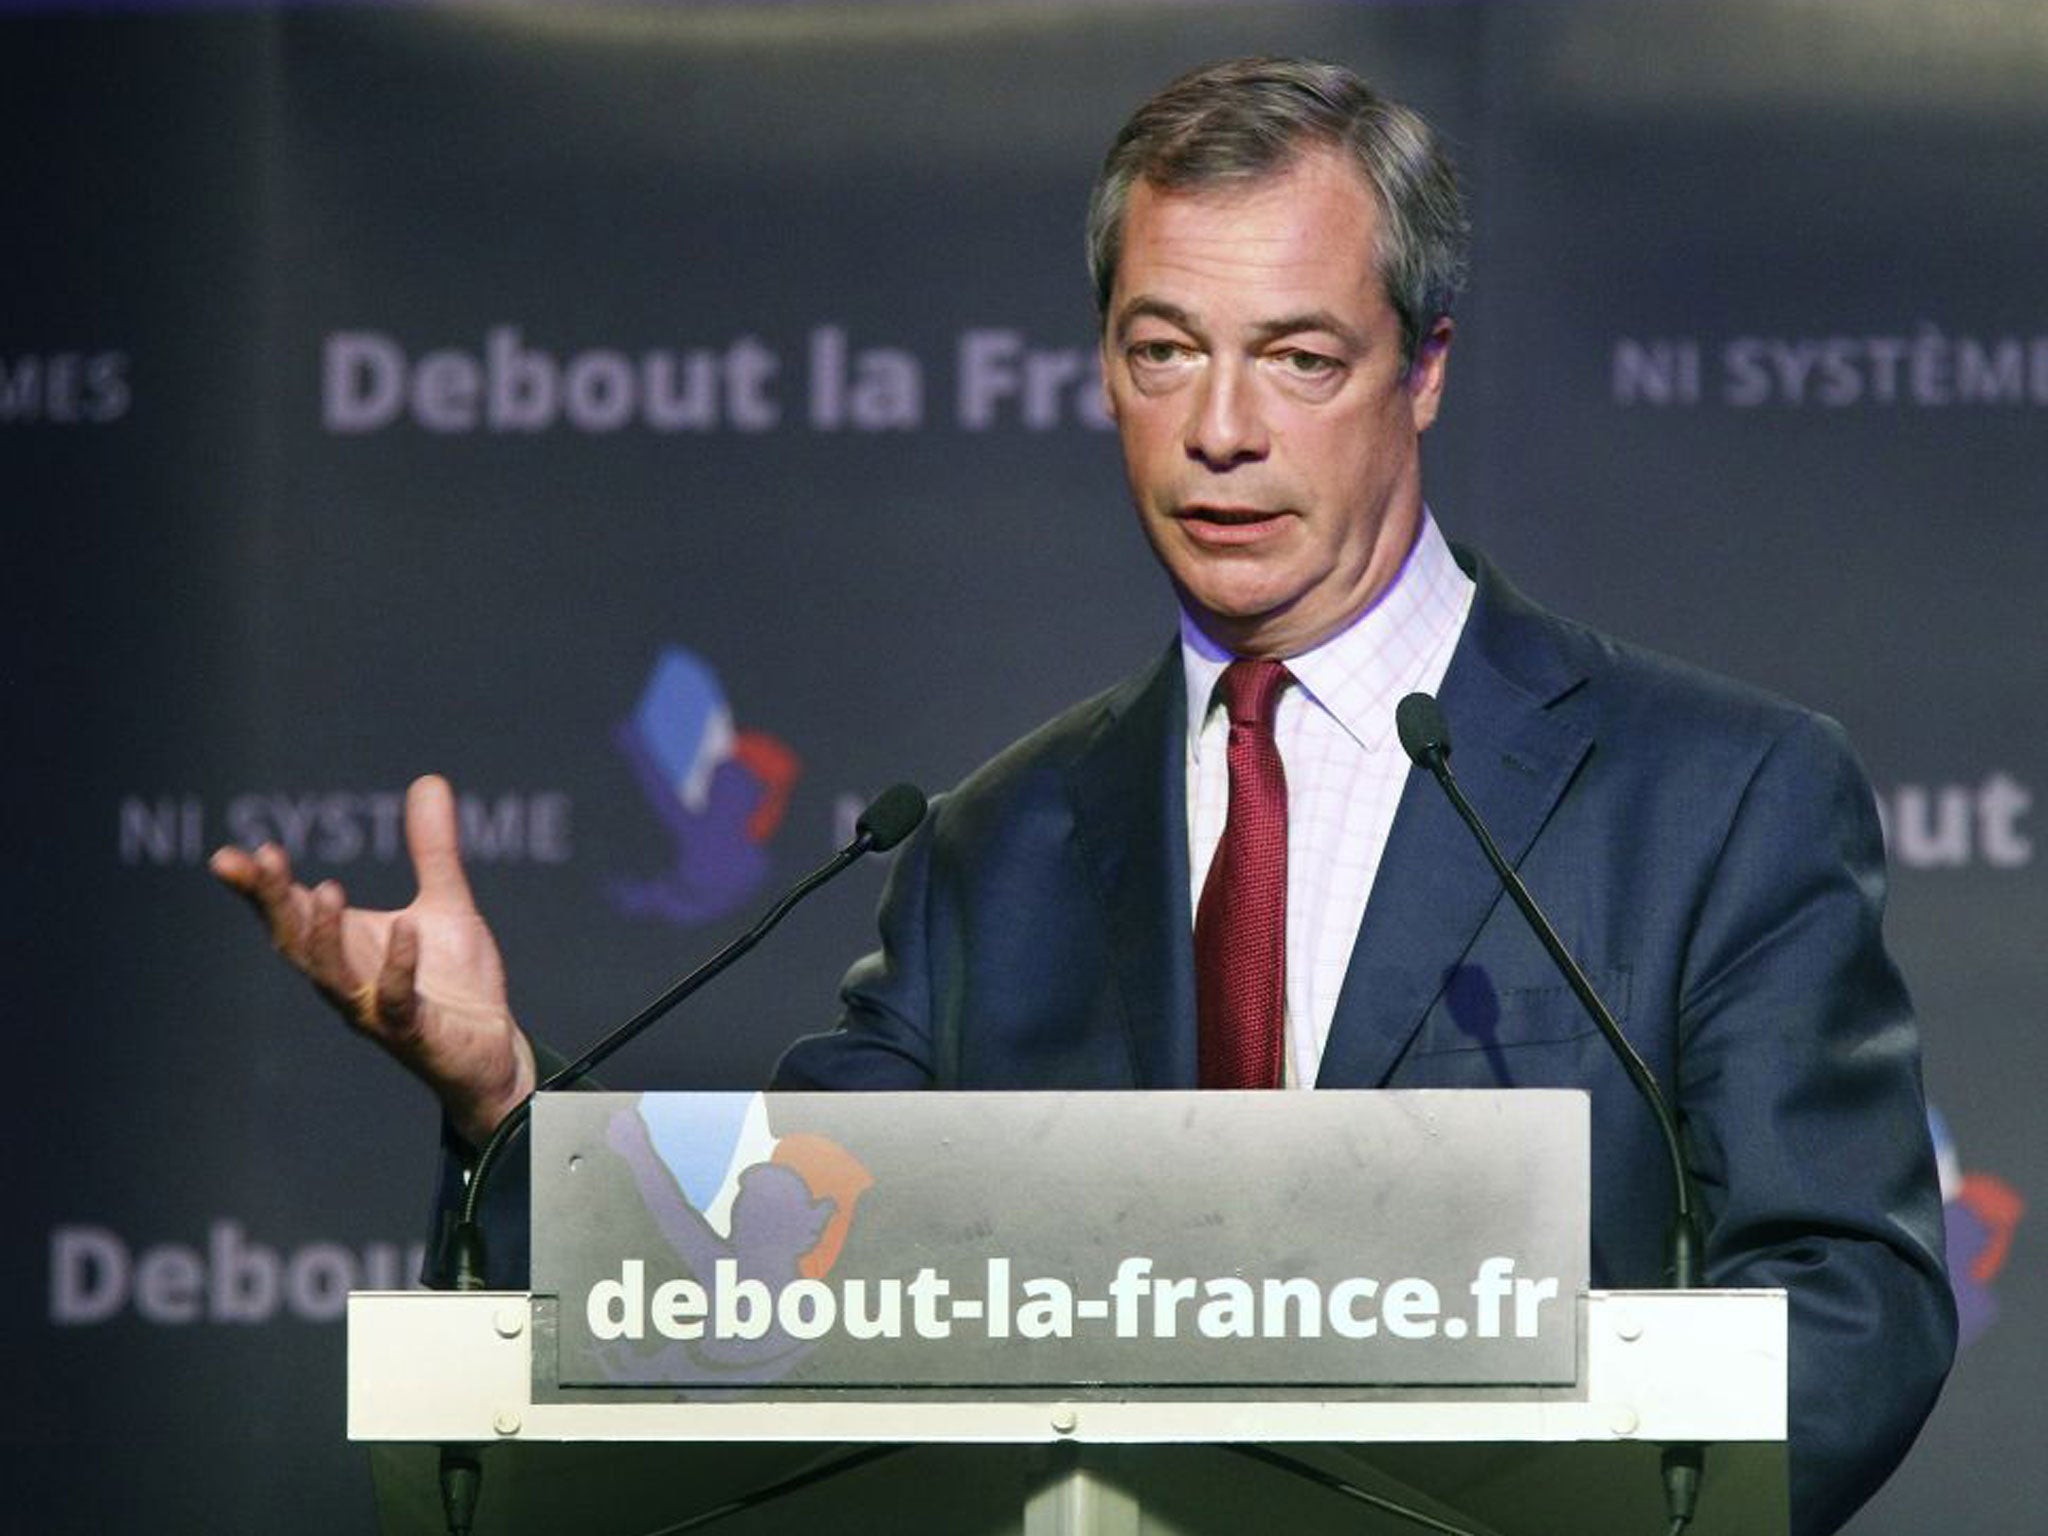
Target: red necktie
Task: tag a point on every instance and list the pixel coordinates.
(1241, 925)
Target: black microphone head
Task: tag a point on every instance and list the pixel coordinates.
(1425, 734)
(891, 817)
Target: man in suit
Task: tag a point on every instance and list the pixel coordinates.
(1224, 873)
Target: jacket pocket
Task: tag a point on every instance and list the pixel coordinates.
(1479, 1010)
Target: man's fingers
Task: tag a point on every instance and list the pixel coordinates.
(233, 868)
(392, 995)
(273, 870)
(323, 959)
(264, 880)
(432, 838)
(285, 904)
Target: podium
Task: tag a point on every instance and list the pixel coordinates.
(1112, 1314)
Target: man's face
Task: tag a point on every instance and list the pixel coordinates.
(1253, 365)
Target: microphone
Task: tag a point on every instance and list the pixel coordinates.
(891, 817)
(1426, 737)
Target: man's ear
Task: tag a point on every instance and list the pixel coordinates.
(1426, 373)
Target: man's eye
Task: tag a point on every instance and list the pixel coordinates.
(1156, 354)
(1309, 365)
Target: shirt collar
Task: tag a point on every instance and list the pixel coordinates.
(1360, 673)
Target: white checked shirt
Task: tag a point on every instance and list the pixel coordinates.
(1345, 770)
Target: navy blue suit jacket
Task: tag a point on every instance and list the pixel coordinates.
(1712, 856)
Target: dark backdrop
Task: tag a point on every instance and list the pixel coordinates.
(348, 430)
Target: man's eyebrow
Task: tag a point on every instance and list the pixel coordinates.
(1145, 307)
(1309, 320)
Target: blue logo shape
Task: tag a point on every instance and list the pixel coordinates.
(706, 1141)
(1980, 1212)
(719, 791)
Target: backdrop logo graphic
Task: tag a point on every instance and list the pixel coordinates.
(727, 1194)
(720, 793)
(1981, 1212)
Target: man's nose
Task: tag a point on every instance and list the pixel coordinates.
(1226, 426)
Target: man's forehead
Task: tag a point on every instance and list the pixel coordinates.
(1300, 241)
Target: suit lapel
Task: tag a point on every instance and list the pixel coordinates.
(1514, 758)
(1129, 793)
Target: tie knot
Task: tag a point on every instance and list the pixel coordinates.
(1251, 691)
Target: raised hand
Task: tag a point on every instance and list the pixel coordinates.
(425, 982)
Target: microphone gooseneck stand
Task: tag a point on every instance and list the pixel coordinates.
(1426, 737)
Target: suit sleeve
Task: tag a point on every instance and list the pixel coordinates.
(504, 1214)
(1799, 1081)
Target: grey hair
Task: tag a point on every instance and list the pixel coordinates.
(1248, 119)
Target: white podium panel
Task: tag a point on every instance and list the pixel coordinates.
(428, 1369)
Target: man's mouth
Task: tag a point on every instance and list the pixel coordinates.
(1227, 525)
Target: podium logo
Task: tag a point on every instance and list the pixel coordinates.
(1981, 1212)
(759, 1220)
(719, 792)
